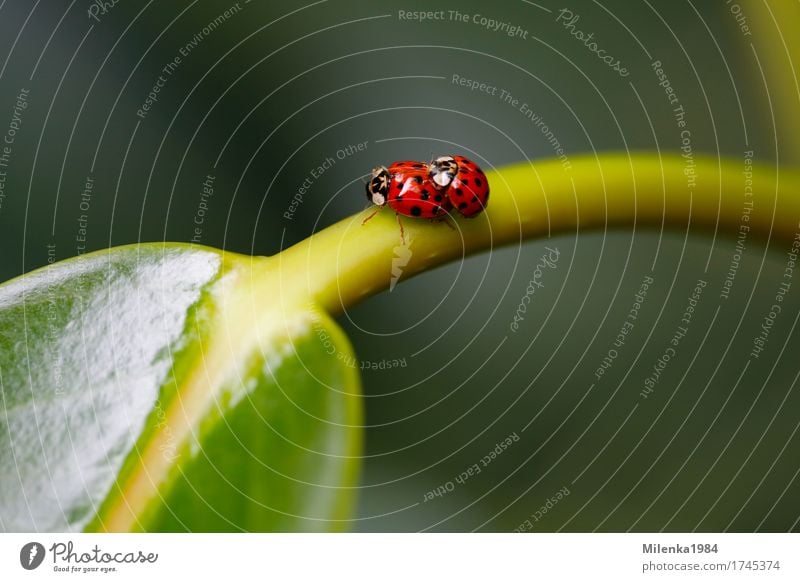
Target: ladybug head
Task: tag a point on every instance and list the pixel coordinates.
(378, 186)
(442, 170)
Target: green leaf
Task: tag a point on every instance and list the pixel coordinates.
(163, 388)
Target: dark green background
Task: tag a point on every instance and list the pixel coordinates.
(283, 86)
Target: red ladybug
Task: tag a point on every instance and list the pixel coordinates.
(463, 181)
(429, 191)
(411, 193)
(406, 188)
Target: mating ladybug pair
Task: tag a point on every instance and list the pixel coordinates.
(430, 190)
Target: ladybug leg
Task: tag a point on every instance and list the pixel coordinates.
(363, 222)
(443, 218)
(447, 220)
(402, 231)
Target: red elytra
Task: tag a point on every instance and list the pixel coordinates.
(411, 193)
(406, 165)
(431, 191)
(469, 190)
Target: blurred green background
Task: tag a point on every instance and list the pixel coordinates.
(265, 96)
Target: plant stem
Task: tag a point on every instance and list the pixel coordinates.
(266, 301)
(775, 51)
(349, 261)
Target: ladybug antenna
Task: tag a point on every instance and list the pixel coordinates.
(378, 209)
(402, 230)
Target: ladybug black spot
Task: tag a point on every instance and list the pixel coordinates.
(418, 179)
(463, 205)
(425, 195)
(459, 192)
(438, 198)
(475, 198)
(437, 209)
(465, 181)
(416, 210)
(478, 182)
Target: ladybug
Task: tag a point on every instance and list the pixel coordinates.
(405, 187)
(411, 193)
(467, 187)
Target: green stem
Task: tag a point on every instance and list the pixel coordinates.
(349, 261)
(776, 60)
(258, 300)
